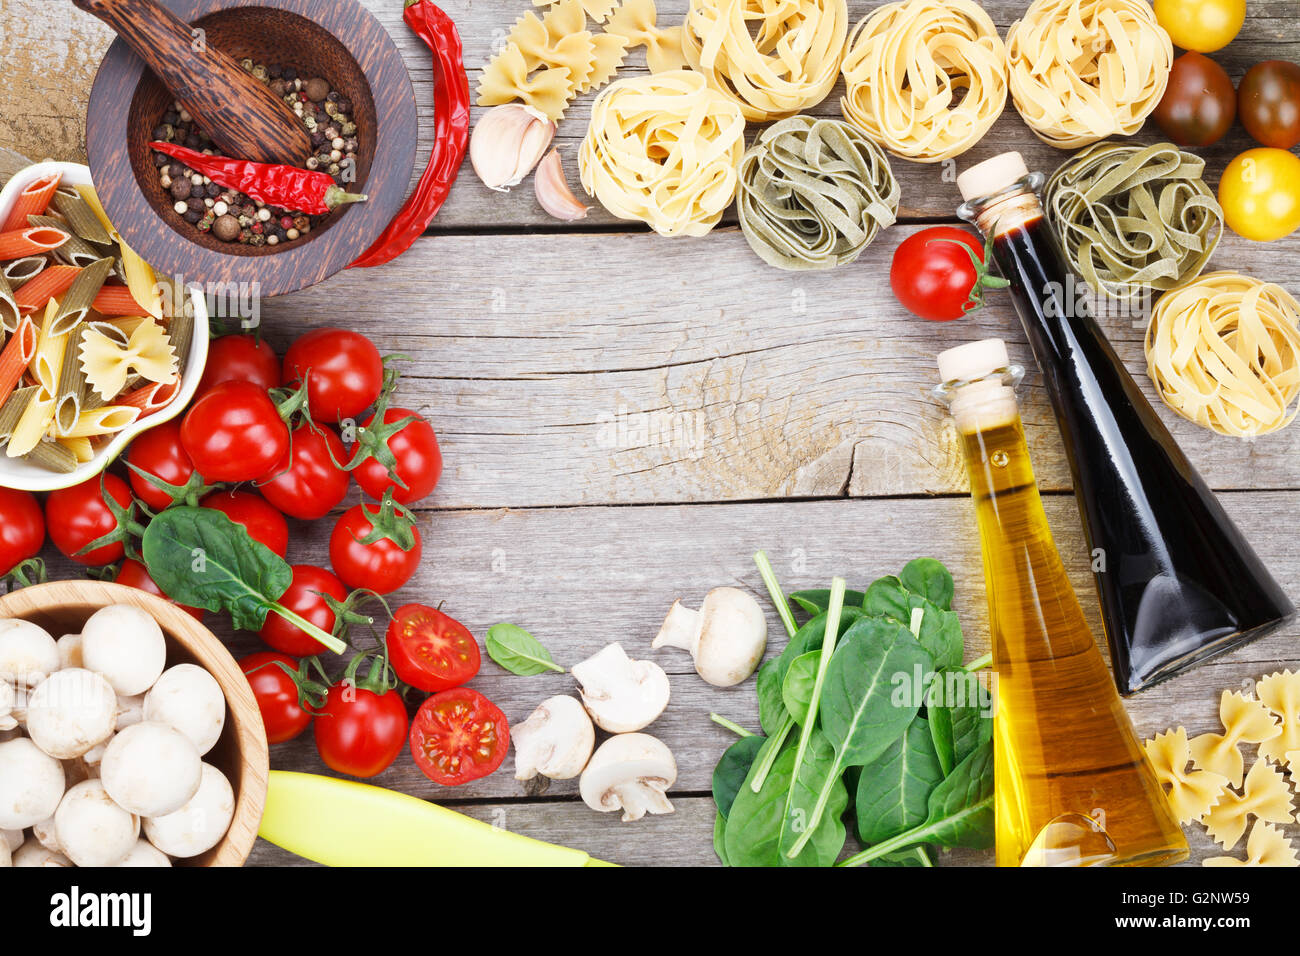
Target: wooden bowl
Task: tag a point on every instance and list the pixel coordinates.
(340, 41)
(61, 607)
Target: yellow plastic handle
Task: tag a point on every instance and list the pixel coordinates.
(344, 823)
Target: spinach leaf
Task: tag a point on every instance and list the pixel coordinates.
(893, 791)
(720, 838)
(916, 856)
(798, 687)
(771, 706)
(772, 712)
(886, 597)
(200, 558)
(518, 651)
(732, 770)
(959, 728)
(930, 579)
(822, 847)
(939, 633)
(817, 601)
(942, 737)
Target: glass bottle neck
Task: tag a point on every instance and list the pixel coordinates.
(1006, 211)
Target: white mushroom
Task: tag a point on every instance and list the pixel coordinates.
(126, 645)
(144, 853)
(726, 636)
(93, 830)
(70, 650)
(27, 653)
(7, 719)
(188, 698)
(151, 769)
(46, 835)
(199, 825)
(622, 695)
(31, 784)
(555, 740)
(6, 856)
(71, 711)
(32, 853)
(130, 710)
(629, 772)
(12, 839)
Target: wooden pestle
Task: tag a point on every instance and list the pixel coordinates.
(243, 117)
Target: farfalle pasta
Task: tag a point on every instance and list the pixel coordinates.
(1244, 721)
(1083, 70)
(925, 79)
(107, 364)
(1191, 793)
(664, 149)
(1265, 795)
(506, 79)
(1266, 846)
(814, 193)
(773, 57)
(1280, 693)
(637, 22)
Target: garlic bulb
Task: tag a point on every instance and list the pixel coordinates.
(506, 144)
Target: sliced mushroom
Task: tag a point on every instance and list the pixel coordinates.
(27, 653)
(31, 784)
(555, 740)
(622, 695)
(726, 637)
(632, 773)
(70, 712)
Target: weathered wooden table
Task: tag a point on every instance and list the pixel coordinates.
(625, 419)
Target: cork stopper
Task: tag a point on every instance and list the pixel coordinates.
(973, 361)
(992, 176)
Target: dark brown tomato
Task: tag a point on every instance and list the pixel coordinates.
(1199, 104)
(1269, 103)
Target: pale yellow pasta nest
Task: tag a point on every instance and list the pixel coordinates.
(786, 63)
(664, 149)
(925, 79)
(1224, 352)
(1082, 70)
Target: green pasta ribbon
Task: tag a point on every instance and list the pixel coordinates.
(1134, 218)
(814, 193)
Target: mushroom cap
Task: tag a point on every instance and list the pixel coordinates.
(126, 645)
(188, 698)
(6, 855)
(555, 741)
(11, 838)
(631, 772)
(151, 769)
(620, 694)
(27, 652)
(144, 853)
(7, 701)
(31, 784)
(732, 637)
(70, 650)
(70, 712)
(32, 853)
(92, 830)
(199, 825)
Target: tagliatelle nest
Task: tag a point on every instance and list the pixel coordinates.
(925, 79)
(664, 149)
(773, 57)
(814, 193)
(1083, 70)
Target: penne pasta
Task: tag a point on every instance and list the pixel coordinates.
(9, 314)
(81, 218)
(114, 300)
(53, 456)
(31, 241)
(108, 420)
(141, 280)
(91, 199)
(12, 408)
(150, 398)
(81, 295)
(32, 201)
(76, 251)
(16, 356)
(32, 426)
(82, 449)
(49, 284)
(22, 270)
(72, 383)
(50, 348)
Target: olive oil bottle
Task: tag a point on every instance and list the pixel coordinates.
(1073, 786)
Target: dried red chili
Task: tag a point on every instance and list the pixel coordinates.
(451, 134)
(285, 187)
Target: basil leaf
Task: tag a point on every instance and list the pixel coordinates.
(893, 793)
(518, 651)
(200, 558)
(730, 773)
(817, 601)
(797, 689)
(929, 579)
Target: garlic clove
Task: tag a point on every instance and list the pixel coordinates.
(553, 191)
(506, 144)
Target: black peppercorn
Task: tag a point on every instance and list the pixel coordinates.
(192, 142)
(171, 118)
(175, 170)
(290, 74)
(274, 70)
(180, 188)
(160, 160)
(213, 190)
(196, 205)
(162, 133)
(193, 216)
(345, 105)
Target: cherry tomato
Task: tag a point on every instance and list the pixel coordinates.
(1199, 104)
(430, 650)
(276, 694)
(234, 433)
(306, 483)
(1260, 194)
(383, 566)
(345, 371)
(159, 452)
(932, 276)
(419, 460)
(240, 358)
(458, 736)
(1269, 103)
(359, 732)
(133, 574)
(260, 520)
(22, 528)
(305, 599)
(1201, 25)
(78, 515)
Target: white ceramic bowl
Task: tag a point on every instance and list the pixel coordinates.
(16, 473)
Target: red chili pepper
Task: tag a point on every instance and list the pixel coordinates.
(451, 134)
(286, 187)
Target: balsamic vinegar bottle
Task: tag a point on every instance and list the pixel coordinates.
(1177, 581)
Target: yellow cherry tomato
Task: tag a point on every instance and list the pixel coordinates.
(1260, 194)
(1201, 25)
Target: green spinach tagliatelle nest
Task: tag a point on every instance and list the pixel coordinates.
(1134, 218)
(814, 193)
